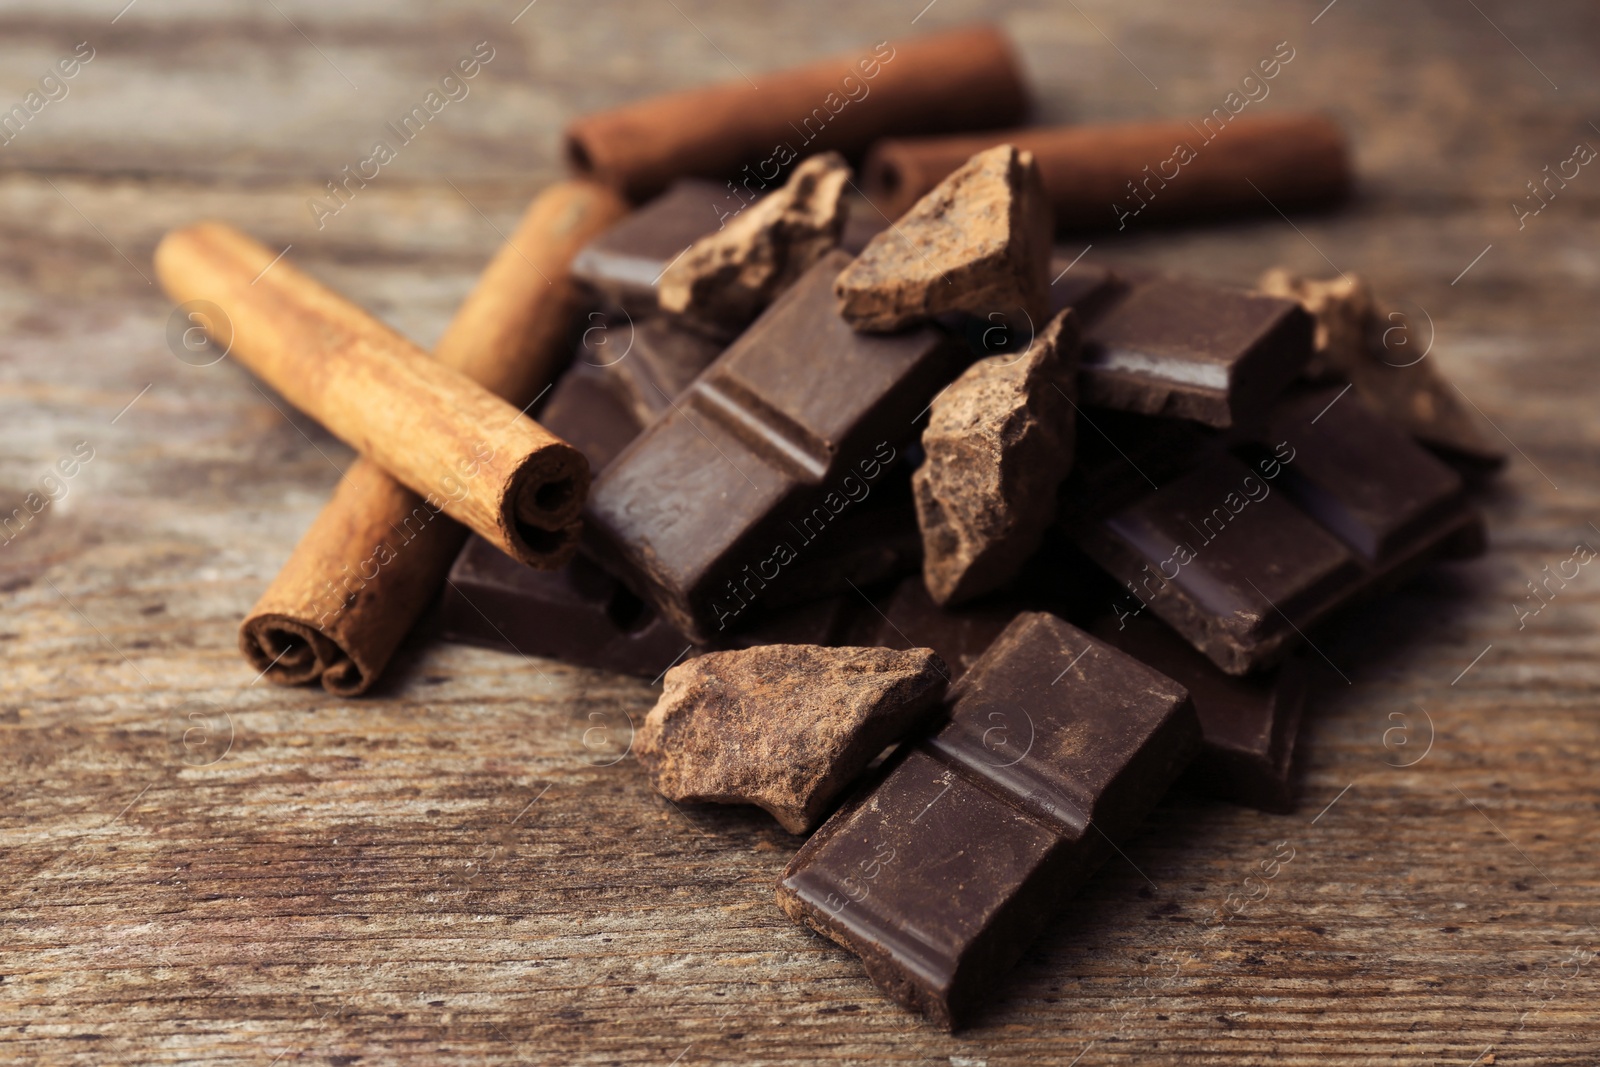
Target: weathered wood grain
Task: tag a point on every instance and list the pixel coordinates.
(450, 871)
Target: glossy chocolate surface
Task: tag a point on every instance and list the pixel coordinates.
(940, 874)
(1253, 546)
(1249, 725)
(795, 423)
(1178, 347)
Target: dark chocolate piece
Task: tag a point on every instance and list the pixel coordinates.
(791, 426)
(1242, 570)
(942, 873)
(583, 616)
(873, 541)
(585, 410)
(816, 622)
(1180, 348)
(624, 265)
(907, 617)
(1085, 288)
(785, 727)
(1233, 567)
(1249, 725)
(862, 223)
(1362, 480)
(578, 614)
(657, 361)
(1385, 359)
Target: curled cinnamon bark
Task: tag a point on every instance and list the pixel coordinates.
(378, 552)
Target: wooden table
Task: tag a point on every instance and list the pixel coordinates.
(459, 868)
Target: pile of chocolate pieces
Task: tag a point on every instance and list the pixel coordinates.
(1055, 533)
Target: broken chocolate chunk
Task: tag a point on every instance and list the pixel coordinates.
(729, 276)
(785, 727)
(979, 243)
(1189, 350)
(1387, 364)
(998, 443)
(1249, 726)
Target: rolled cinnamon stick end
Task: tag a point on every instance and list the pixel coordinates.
(445, 437)
(1107, 176)
(739, 131)
(378, 552)
(353, 587)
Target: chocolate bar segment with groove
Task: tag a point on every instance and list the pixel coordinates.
(942, 872)
(1242, 569)
(1180, 348)
(1363, 479)
(796, 422)
(659, 360)
(1249, 725)
(583, 616)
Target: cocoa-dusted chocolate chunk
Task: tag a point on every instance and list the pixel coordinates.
(979, 243)
(798, 422)
(1385, 359)
(1249, 726)
(1334, 505)
(941, 873)
(784, 727)
(998, 443)
(729, 276)
(624, 265)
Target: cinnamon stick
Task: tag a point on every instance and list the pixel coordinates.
(437, 431)
(378, 553)
(1108, 176)
(746, 132)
